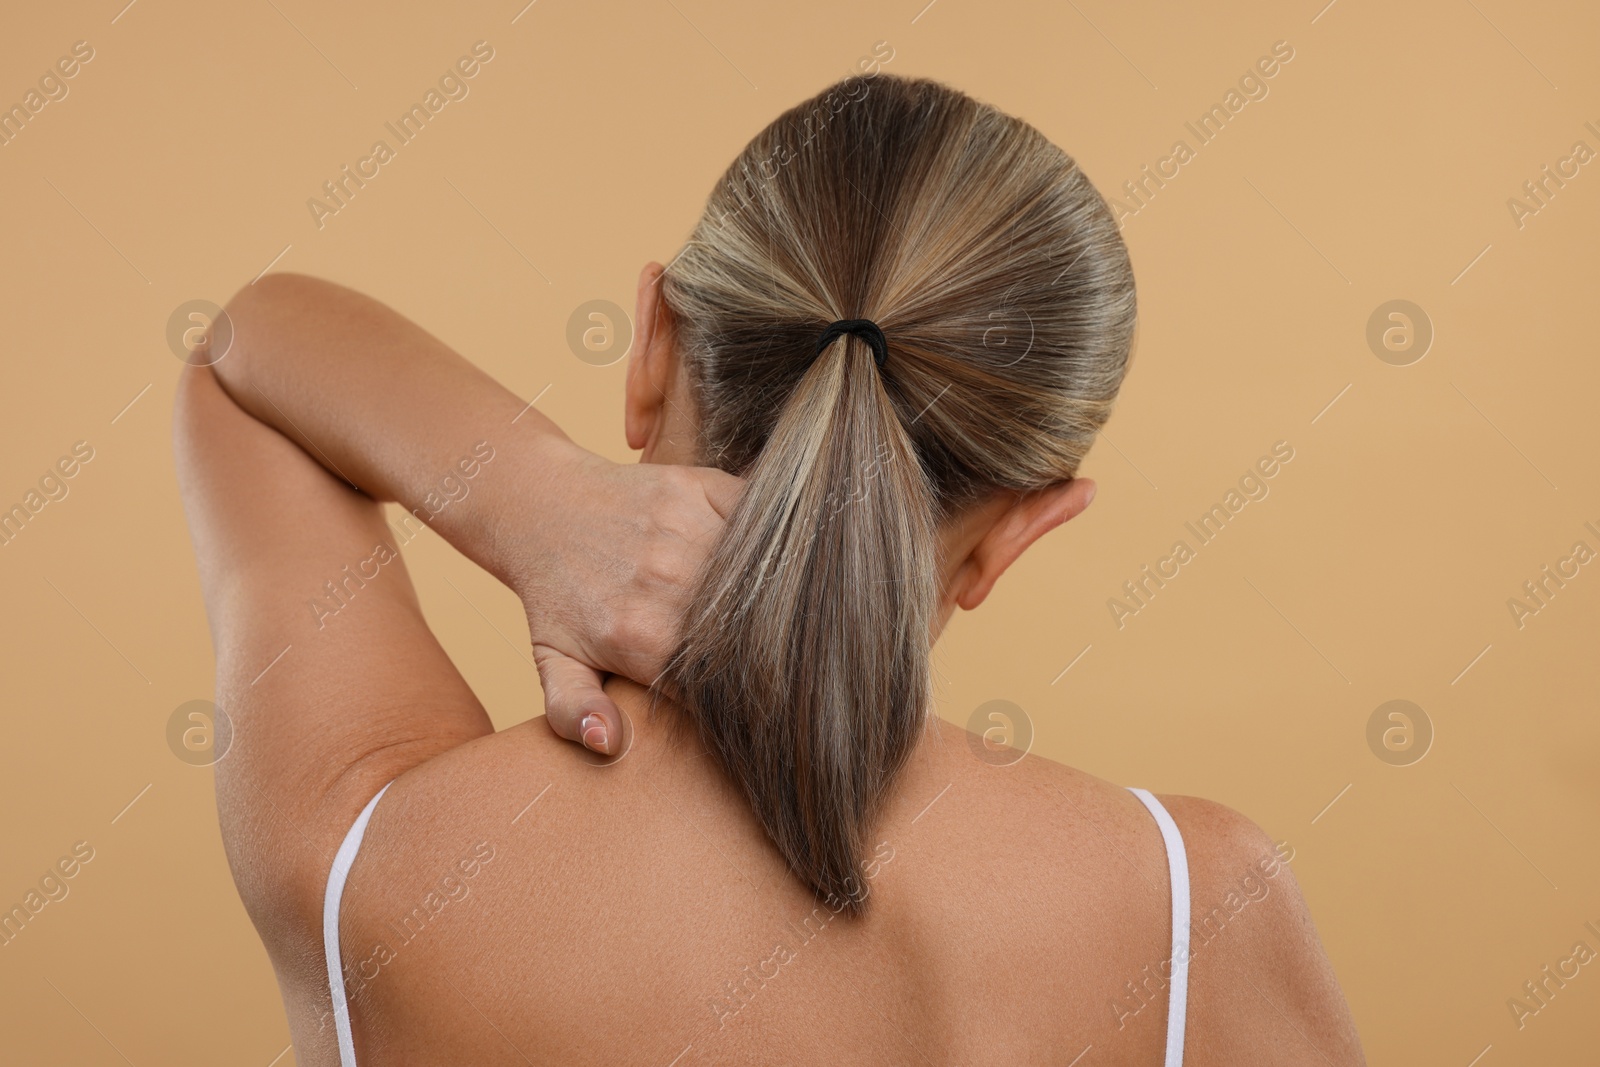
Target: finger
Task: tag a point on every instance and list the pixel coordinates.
(575, 706)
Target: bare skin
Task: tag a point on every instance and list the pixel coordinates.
(521, 900)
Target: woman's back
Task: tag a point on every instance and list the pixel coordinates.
(517, 901)
(899, 332)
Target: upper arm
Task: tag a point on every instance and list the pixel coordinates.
(1261, 989)
(330, 678)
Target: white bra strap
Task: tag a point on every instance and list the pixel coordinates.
(1178, 869)
(342, 862)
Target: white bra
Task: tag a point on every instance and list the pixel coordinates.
(1177, 869)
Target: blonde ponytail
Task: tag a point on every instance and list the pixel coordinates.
(804, 657)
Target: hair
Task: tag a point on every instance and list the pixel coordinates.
(997, 273)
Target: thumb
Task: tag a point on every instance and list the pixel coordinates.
(575, 706)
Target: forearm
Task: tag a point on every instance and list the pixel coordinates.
(601, 554)
(394, 411)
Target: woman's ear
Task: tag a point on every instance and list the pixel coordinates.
(1024, 521)
(651, 361)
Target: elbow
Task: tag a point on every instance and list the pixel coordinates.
(193, 399)
(275, 289)
(241, 336)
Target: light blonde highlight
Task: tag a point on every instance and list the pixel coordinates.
(804, 657)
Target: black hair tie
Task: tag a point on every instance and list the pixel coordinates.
(865, 329)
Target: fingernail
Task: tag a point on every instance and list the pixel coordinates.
(1089, 496)
(593, 730)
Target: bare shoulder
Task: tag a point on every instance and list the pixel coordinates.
(1081, 849)
(1261, 987)
(1055, 810)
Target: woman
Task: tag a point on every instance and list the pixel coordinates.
(861, 391)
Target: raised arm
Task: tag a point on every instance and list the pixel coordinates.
(398, 415)
(391, 409)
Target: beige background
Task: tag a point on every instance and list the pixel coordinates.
(1378, 167)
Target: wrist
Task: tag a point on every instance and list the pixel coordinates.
(547, 468)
